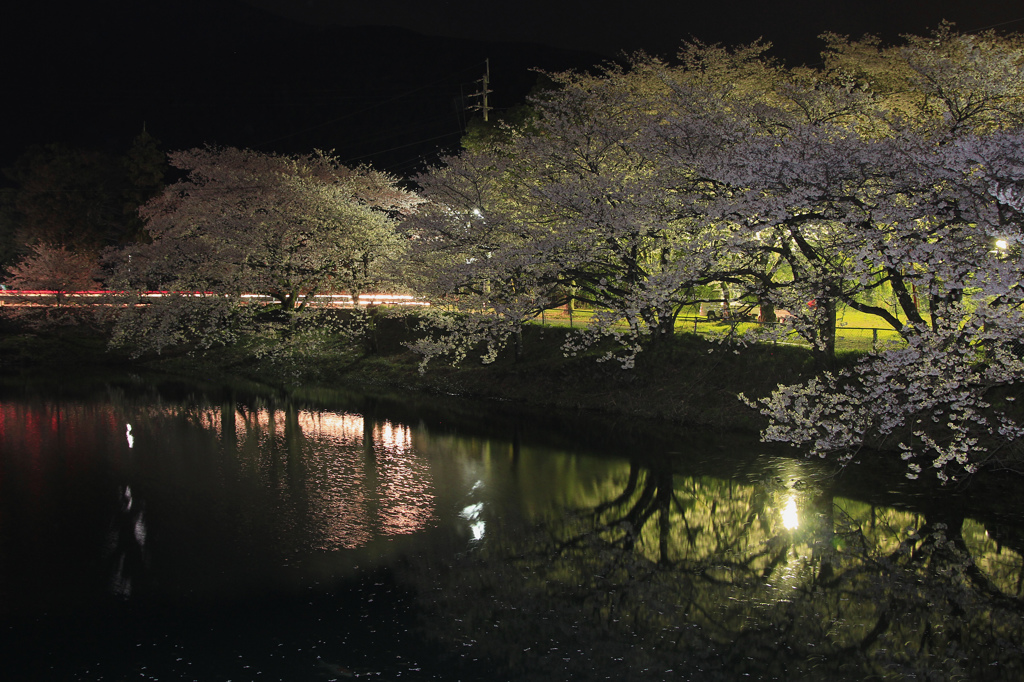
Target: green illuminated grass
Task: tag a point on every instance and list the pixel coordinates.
(856, 331)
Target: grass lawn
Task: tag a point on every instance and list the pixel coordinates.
(856, 331)
(859, 331)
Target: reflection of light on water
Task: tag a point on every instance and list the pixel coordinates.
(343, 428)
(792, 564)
(789, 516)
(131, 440)
(394, 437)
(127, 544)
(477, 529)
(472, 514)
(361, 478)
(388, 493)
(404, 480)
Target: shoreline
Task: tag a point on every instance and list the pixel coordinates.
(686, 381)
(679, 388)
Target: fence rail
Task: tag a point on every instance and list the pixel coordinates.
(847, 337)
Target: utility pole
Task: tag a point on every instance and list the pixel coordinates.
(484, 90)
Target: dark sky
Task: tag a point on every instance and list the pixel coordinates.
(658, 26)
(296, 75)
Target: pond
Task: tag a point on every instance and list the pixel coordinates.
(154, 529)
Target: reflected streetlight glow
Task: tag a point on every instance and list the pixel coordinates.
(789, 516)
(472, 514)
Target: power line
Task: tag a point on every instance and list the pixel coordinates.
(402, 146)
(1001, 23)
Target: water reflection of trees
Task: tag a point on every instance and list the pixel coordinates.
(320, 479)
(661, 576)
(359, 477)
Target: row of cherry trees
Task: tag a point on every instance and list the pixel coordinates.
(642, 189)
(645, 189)
(236, 223)
(242, 223)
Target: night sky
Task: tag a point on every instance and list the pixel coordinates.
(656, 25)
(385, 82)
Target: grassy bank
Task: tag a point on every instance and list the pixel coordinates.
(687, 379)
(688, 382)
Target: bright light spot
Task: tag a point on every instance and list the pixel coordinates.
(478, 213)
(472, 513)
(1002, 243)
(477, 529)
(789, 515)
(131, 439)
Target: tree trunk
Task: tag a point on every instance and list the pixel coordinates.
(370, 339)
(662, 330)
(825, 343)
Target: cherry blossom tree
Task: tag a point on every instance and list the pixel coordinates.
(833, 175)
(916, 205)
(243, 222)
(470, 254)
(572, 208)
(945, 398)
(882, 181)
(56, 269)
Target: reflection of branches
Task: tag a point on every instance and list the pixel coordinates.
(627, 491)
(938, 547)
(626, 520)
(935, 608)
(959, 552)
(625, 517)
(699, 572)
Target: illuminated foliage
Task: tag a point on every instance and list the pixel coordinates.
(55, 269)
(881, 181)
(244, 222)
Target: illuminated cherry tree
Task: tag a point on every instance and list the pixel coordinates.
(889, 180)
(573, 209)
(932, 212)
(56, 269)
(944, 398)
(247, 223)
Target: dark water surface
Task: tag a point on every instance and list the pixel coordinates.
(157, 530)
